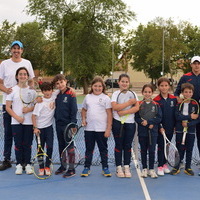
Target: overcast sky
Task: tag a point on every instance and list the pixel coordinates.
(146, 10)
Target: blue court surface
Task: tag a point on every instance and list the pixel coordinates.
(98, 187)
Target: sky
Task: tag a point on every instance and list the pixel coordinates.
(146, 10)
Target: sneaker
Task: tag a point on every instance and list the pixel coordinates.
(189, 171)
(175, 171)
(41, 172)
(144, 173)
(18, 169)
(152, 173)
(69, 173)
(160, 171)
(85, 172)
(5, 165)
(47, 171)
(106, 172)
(119, 172)
(127, 171)
(166, 169)
(60, 170)
(28, 169)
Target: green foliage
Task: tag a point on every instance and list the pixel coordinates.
(32, 36)
(6, 37)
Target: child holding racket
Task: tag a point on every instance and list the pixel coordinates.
(97, 119)
(167, 103)
(148, 119)
(42, 118)
(125, 105)
(65, 113)
(187, 116)
(19, 104)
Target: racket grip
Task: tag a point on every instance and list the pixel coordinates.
(121, 130)
(183, 139)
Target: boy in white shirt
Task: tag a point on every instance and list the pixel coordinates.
(42, 117)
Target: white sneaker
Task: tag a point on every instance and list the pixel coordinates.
(119, 172)
(166, 169)
(160, 171)
(19, 169)
(28, 169)
(152, 173)
(127, 171)
(144, 173)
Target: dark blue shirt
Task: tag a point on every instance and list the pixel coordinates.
(66, 108)
(143, 130)
(193, 105)
(168, 107)
(194, 80)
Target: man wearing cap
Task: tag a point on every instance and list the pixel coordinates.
(192, 77)
(8, 70)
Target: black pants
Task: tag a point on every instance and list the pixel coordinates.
(146, 147)
(123, 144)
(188, 147)
(8, 137)
(46, 136)
(92, 137)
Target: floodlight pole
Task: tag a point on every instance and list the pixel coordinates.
(163, 52)
(63, 50)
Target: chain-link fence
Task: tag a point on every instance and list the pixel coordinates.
(81, 146)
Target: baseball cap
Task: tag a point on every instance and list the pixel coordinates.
(17, 43)
(195, 58)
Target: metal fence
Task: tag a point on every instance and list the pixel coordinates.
(81, 146)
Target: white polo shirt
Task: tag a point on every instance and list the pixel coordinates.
(96, 116)
(8, 70)
(131, 117)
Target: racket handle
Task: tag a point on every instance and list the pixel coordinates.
(184, 137)
(38, 139)
(121, 130)
(150, 142)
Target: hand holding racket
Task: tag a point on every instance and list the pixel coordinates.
(42, 164)
(170, 151)
(125, 97)
(194, 115)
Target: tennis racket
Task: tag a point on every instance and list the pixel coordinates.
(148, 110)
(42, 164)
(170, 151)
(123, 97)
(27, 96)
(70, 156)
(194, 109)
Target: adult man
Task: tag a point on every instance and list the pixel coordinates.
(7, 81)
(192, 77)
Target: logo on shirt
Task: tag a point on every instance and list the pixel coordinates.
(153, 109)
(65, 100)
(172, 104)
(193, 109)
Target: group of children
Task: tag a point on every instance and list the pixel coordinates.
(101, 116)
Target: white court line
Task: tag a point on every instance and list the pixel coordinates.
(137, 167)
(142, 182)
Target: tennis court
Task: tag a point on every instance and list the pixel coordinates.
(97, 186)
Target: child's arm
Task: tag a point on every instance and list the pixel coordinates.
(132, 110)
(83, 116)
(36, 131)
(109, 122)
(121, 106)
(12, 113)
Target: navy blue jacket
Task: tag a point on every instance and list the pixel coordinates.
(66, 108)
(194, 80)
(143, 130)
(180, 117)
(168, 107)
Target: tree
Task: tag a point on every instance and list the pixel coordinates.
(32, 37)
(6, 37)
(88, 27)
